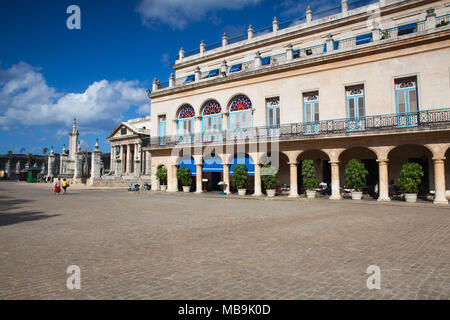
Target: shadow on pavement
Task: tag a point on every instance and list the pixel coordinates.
(7, 217)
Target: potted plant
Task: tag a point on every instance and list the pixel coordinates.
(269, 179)
(355, 178)
(410, 177)
(161, 175)
(184, 175)
(240, 174)
(310, 181)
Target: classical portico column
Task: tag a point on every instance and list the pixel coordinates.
(129, 159)
(293, 189)
(335, 184)
(112, 158)
(439, 181)
(383, 185)
(137, 160)
(123, 158)
(226, 177)
(257, 180)
(198, 177)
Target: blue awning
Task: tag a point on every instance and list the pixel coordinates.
(213, 73)
(408, 26)
(265, 61)
(243, 159)
(236, 67)
(336, 45)
(190, 78)
(212, 163)
(364, 38)
(188, 162)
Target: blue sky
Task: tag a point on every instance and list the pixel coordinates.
(49, 74)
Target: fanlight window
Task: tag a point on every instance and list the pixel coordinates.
(186, 112)
(240, 103)
(211, 107)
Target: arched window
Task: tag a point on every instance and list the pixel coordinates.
(186, 117)
(241, 114)
(211, 121)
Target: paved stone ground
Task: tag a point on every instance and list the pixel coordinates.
(161, 246)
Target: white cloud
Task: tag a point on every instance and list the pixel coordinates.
(26, 99)
(179, 13)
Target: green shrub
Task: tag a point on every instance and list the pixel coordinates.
(442, 23)
(184, 175)
(310, 180)
(240, 174)
(355, 175)
(410, 177)
(161, 175)
(269, 177)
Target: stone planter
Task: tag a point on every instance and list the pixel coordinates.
(186, 188)
(411, 197)
(242, 192)
(163, 187)
(356, 195)
(270, 193)
(310, 194)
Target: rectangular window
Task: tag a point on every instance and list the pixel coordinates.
(162, 129)
(265, 61)
(355, 107)
(364, 38)
(406, 101)
(407, 29)
(213, 73)
(189, 78)
(123, 131)
(311, 112)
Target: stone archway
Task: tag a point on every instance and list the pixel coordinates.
(321, 162)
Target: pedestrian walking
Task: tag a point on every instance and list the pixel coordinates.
(65, 185)
(58, 186)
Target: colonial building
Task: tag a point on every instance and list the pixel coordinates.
(129, 162)
(368, 82)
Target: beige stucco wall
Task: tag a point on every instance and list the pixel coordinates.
(430, 63)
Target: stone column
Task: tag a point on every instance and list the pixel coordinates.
(293, 188)
(335, 184)
(257, 59)
(78, 173)
(198, 178)
(439, 181)
(122, 159)
(257, 180)
(226, 177)
(96, 159)
(8, 168)
(148, 163)
(172, 181)
(275, 26)
(51, 165)
(224, 40)
(250, 32)
(344, 5)
(289, 52)
(18, 167)
(308, 15)
(137, 160)
(112, 158)
(129, 159)
(383, 184)
(202, 48)
(197, 73)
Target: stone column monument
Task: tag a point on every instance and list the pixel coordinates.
(96, 164)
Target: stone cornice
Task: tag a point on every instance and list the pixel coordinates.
(443, 33)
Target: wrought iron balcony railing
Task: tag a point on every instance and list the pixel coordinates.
(306, 130)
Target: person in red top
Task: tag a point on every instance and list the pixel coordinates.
(58, 186)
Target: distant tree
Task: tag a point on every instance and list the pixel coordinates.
(29, 156)
(45, 150)
(22, 149)
(10, 153)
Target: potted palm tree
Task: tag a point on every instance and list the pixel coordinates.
(185, 176)
(355, 178)
(240, 174)
(161, 175)
(410, 177)
(269, 179)
(310, 181)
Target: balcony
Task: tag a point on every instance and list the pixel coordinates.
(401, 123)
(291, 55)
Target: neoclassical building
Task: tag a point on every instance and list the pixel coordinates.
(129, 162)
(368, 82)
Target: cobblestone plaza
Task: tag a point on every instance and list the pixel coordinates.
(154, 245)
